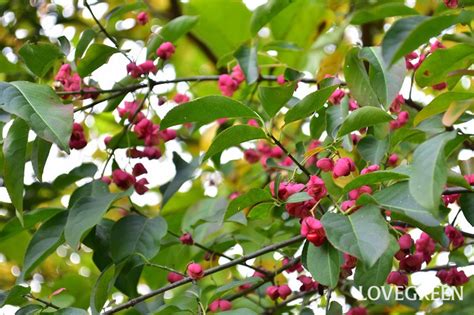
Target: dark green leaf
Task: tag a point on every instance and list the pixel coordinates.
(323, 262)
(86, 212)
(372, 150)
(334, 309)
(86, 38)
(429, 171)
(40, 57)
(171, 32)
(265, 13)
(102, 289)
(397, 198)
(441, 103)
(409, 33)
(70, 311)
(363, 234)
(137, 235)
(14, 151)
(363, 117)
(380, 12)
(310, 104)
(466, 202)
(299, 197)
(39, 156)
(44, 242)
(374, 178)
(252, 197)
(77, 173)
(233, 136)
(247, 58)
(273, 98)
(15, 296)
(205, 110)
(30, 309)
(184, 172)
(65, 45)
(96, 56)
(41, 108)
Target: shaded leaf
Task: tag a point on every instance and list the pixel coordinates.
(39, 156)
(86, 38)
(323, 262)
(250, 198)
(247, 59)
(96, 56)
(310, 104)
(101, 289)
(466, 202)
(40, 57)
(374, 178)
(372, 150)
(380, 12)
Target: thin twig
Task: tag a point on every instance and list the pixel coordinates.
(300, 166)
(207, 272)
(46, 303)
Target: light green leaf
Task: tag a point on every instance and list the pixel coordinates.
(86, 37)
(265, 13)
(86, 212)
(96, 56)
(409, 33)
(44, 242)
(441, 103)
(385, 81)
(101, 290)
(323, 262)
(397, 198)
(356, 233)
(374, 178)
(247, 59)
(252, 197)
(41, 108)
(437, 66)
(205, 110)
(40, 57)
(310, 104)
(273, 98)
(137, 235)
(14, 152)
(380, 12)
(358, 80)
(363, 117)
(39, 156)
(429, 171)
(171, 32)
(372, 150)
(233, 136)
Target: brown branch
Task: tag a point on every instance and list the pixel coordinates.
(46, 303)
(300, 166)
(456, 190)
(437, 268)
(207, 272)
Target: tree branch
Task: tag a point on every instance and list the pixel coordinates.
(207, 272)
(300, 166)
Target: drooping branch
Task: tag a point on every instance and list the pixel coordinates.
(207, 272)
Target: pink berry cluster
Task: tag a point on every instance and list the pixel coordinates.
(72, 82)
(125, 180)
(454, 198)
(264, 151)
(78, 138)
(229, 83)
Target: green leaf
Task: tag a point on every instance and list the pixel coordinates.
(466, 202)
(374, 178)
(82, 171)
(44, 242)
(115, 102)
(86, 212)
(247, 59)
(363, 234)
(205, 110)
(137, 235)
(385, 81)
(397, 198)
(119, 11)
(310, 104)
(14, 151)
(233, 136)
(409, 33)
(439, 64)
(456, 179)
(184, 172)
(96, 56)
(273, 98)
(377, 274)
(429, 171)
(265, 13)
(323, 262)
(41, 108)
(358, 79)
(380, 12)
(252, 197)
(372, 150)
(65, 45)
(335, 116)
(14, 296)
(30, 219)
(299, 197)
(30, 309)
(71, 311)
(171, 32)
(363, 117)
(39, 156)
(441, 103)
(101, 289)
(86, 38)
(334, 309)
(40, 57)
